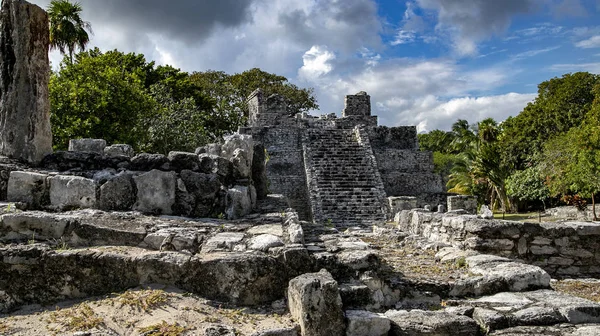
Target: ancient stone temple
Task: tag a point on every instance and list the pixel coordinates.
(341, 170)
(25, 133)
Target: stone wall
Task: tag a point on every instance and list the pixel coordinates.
(218, 181)
(562, 249)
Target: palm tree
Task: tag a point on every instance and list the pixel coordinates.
(67, 29)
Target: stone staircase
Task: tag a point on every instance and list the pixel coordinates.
(344, 184)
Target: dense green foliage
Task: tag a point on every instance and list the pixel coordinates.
(231, 91)
(67, 30)
(552, 148)
(562, 103)
(122, 98)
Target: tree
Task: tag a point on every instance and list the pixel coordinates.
(124, 99)
(479, 170)
(562, 103)
(67, 29)
(528, 185)
(231, 91)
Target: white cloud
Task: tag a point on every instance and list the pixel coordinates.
(531, 53)
(589, 67)
(317, 62)
(592, 42)
(403, 37)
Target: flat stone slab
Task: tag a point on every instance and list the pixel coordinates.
(421, 322)
(223, 241)
(274, 229)
(535, 308)
(496, 274)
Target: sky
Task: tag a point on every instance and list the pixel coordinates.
(426, 63)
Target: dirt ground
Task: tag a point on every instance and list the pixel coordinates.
(153, 311)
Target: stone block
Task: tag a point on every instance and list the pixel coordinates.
(264, 242)
(419, 322)
(239, 149)
(239, 202)
(27, 187)
(119, 150)
(147, 162)
(365, 323)
(155, 192)
(213, 164)
(87, 145)
(315, 303)
(117, 193)
(183, 160)
(72, 192)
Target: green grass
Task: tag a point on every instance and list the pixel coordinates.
(523, 217)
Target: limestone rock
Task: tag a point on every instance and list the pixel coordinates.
(486, 213)
(87, 145)
(117, 193)
(239, 149)
(213, 164)
(365, 323)
(72, 192)
(119, 150)
(218, 330)
(277, 332)
(420, 322)
(147, 162)
(25, 132)
(204, 190)
(315, 303)
(239, 202)
(259, 173)
(183, 160)
(27, 187)
(499, 274)
(264, 242)
(155, 192)
(223, 241)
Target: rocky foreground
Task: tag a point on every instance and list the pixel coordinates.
(90, 272)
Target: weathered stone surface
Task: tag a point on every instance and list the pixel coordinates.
(278, 332)
(419, 322)
(33, 225)
(264, 242)
(239, 149)
(498, 274)
(485, 212)
(556, 330)
(365, 323)
(205, 190)
(155, 192)
(183, 160)
(239, 202)
(315, 303)
(147, 162)
(213, 164)
(218, 330)
(118, 193)
(259, 172)
(536, 308)
(25, 132)
(64, 160)
(223, 241)
(87, 145)
(119, 150)
(72, 192)
(30, 188)
(294, 228)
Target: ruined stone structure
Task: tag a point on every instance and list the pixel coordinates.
(340, 170)
(25, 132)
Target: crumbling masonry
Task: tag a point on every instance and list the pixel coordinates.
(340, 170)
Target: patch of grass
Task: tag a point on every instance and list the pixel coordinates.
(163, 329)
(586, 290)
(145, 300)
(3, 327)
(77, 318)
(461, 262)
